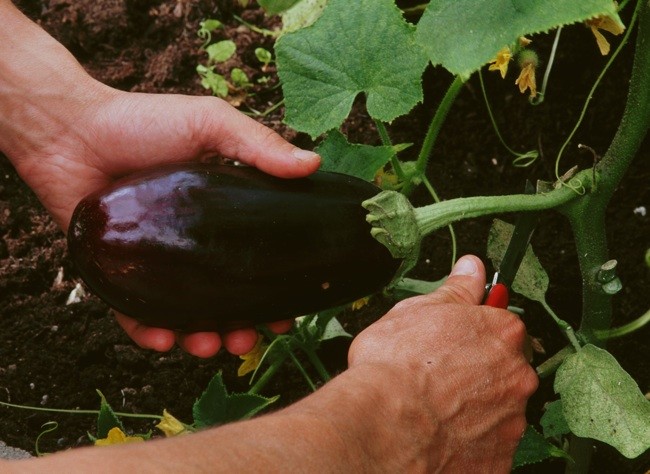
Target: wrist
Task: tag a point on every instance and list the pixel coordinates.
(376, 419)
(43, 89)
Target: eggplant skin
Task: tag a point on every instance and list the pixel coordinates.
(198, 246)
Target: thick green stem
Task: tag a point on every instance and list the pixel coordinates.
(432, 217)
(589, 231)
(434, 128)
(587, 216)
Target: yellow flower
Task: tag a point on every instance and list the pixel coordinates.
(116, 436)
(360, 303)
(252, 359)
(606, 23)
(500, 63)
(526, 80)
(170, 425)
(386, 179)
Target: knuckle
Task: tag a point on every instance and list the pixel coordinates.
(454, 294)
(531, 381)
(516, 331)
(518, 427)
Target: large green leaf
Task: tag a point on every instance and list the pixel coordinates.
(362, 161)
(601, 401)
(463, 35)
(357, 47)
(216, 406)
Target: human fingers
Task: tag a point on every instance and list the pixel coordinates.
(200, 344)
(158, 339)
(226, 131)
(465, 284)
(240, 341)
(280, 327)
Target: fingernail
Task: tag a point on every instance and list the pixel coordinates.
(304, 155)
(465, 266)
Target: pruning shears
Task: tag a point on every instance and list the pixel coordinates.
(497, 292)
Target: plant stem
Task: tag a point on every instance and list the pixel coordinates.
(434, 216)
(606, 334)
(302, 370)
(256, 29)
(318, 364)
(550, 365)
(564, 326)
(592, 92)
(529, 156)
(385, 139)
(452, 233)
(434, 128)
(268, 374)
(587, 216)
(81, 412)
(542, 93)
(257, 113)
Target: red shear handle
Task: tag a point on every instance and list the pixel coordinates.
(497, 296)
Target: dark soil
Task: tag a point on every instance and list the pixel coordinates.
(54, 355)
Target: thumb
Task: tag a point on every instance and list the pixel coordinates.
(465, 284)
(234, 135)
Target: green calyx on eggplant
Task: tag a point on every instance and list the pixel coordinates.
(198, 246)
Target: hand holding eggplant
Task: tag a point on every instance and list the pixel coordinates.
(71, 135)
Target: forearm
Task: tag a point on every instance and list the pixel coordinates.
(353, 424)
(41, 86)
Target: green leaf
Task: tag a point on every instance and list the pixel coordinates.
(334, 329)
(208, 26)
(263, 55)
(106, 419)
(534, 448)
(216, 406)
(220, 51)
(302, 14)
(463, 35)
(239, 78)
(318, 327)
(213, 81)
(362, 161)
(553, 422)
(531, 280)
(357, 47)
(273, 7)
(601, 401)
